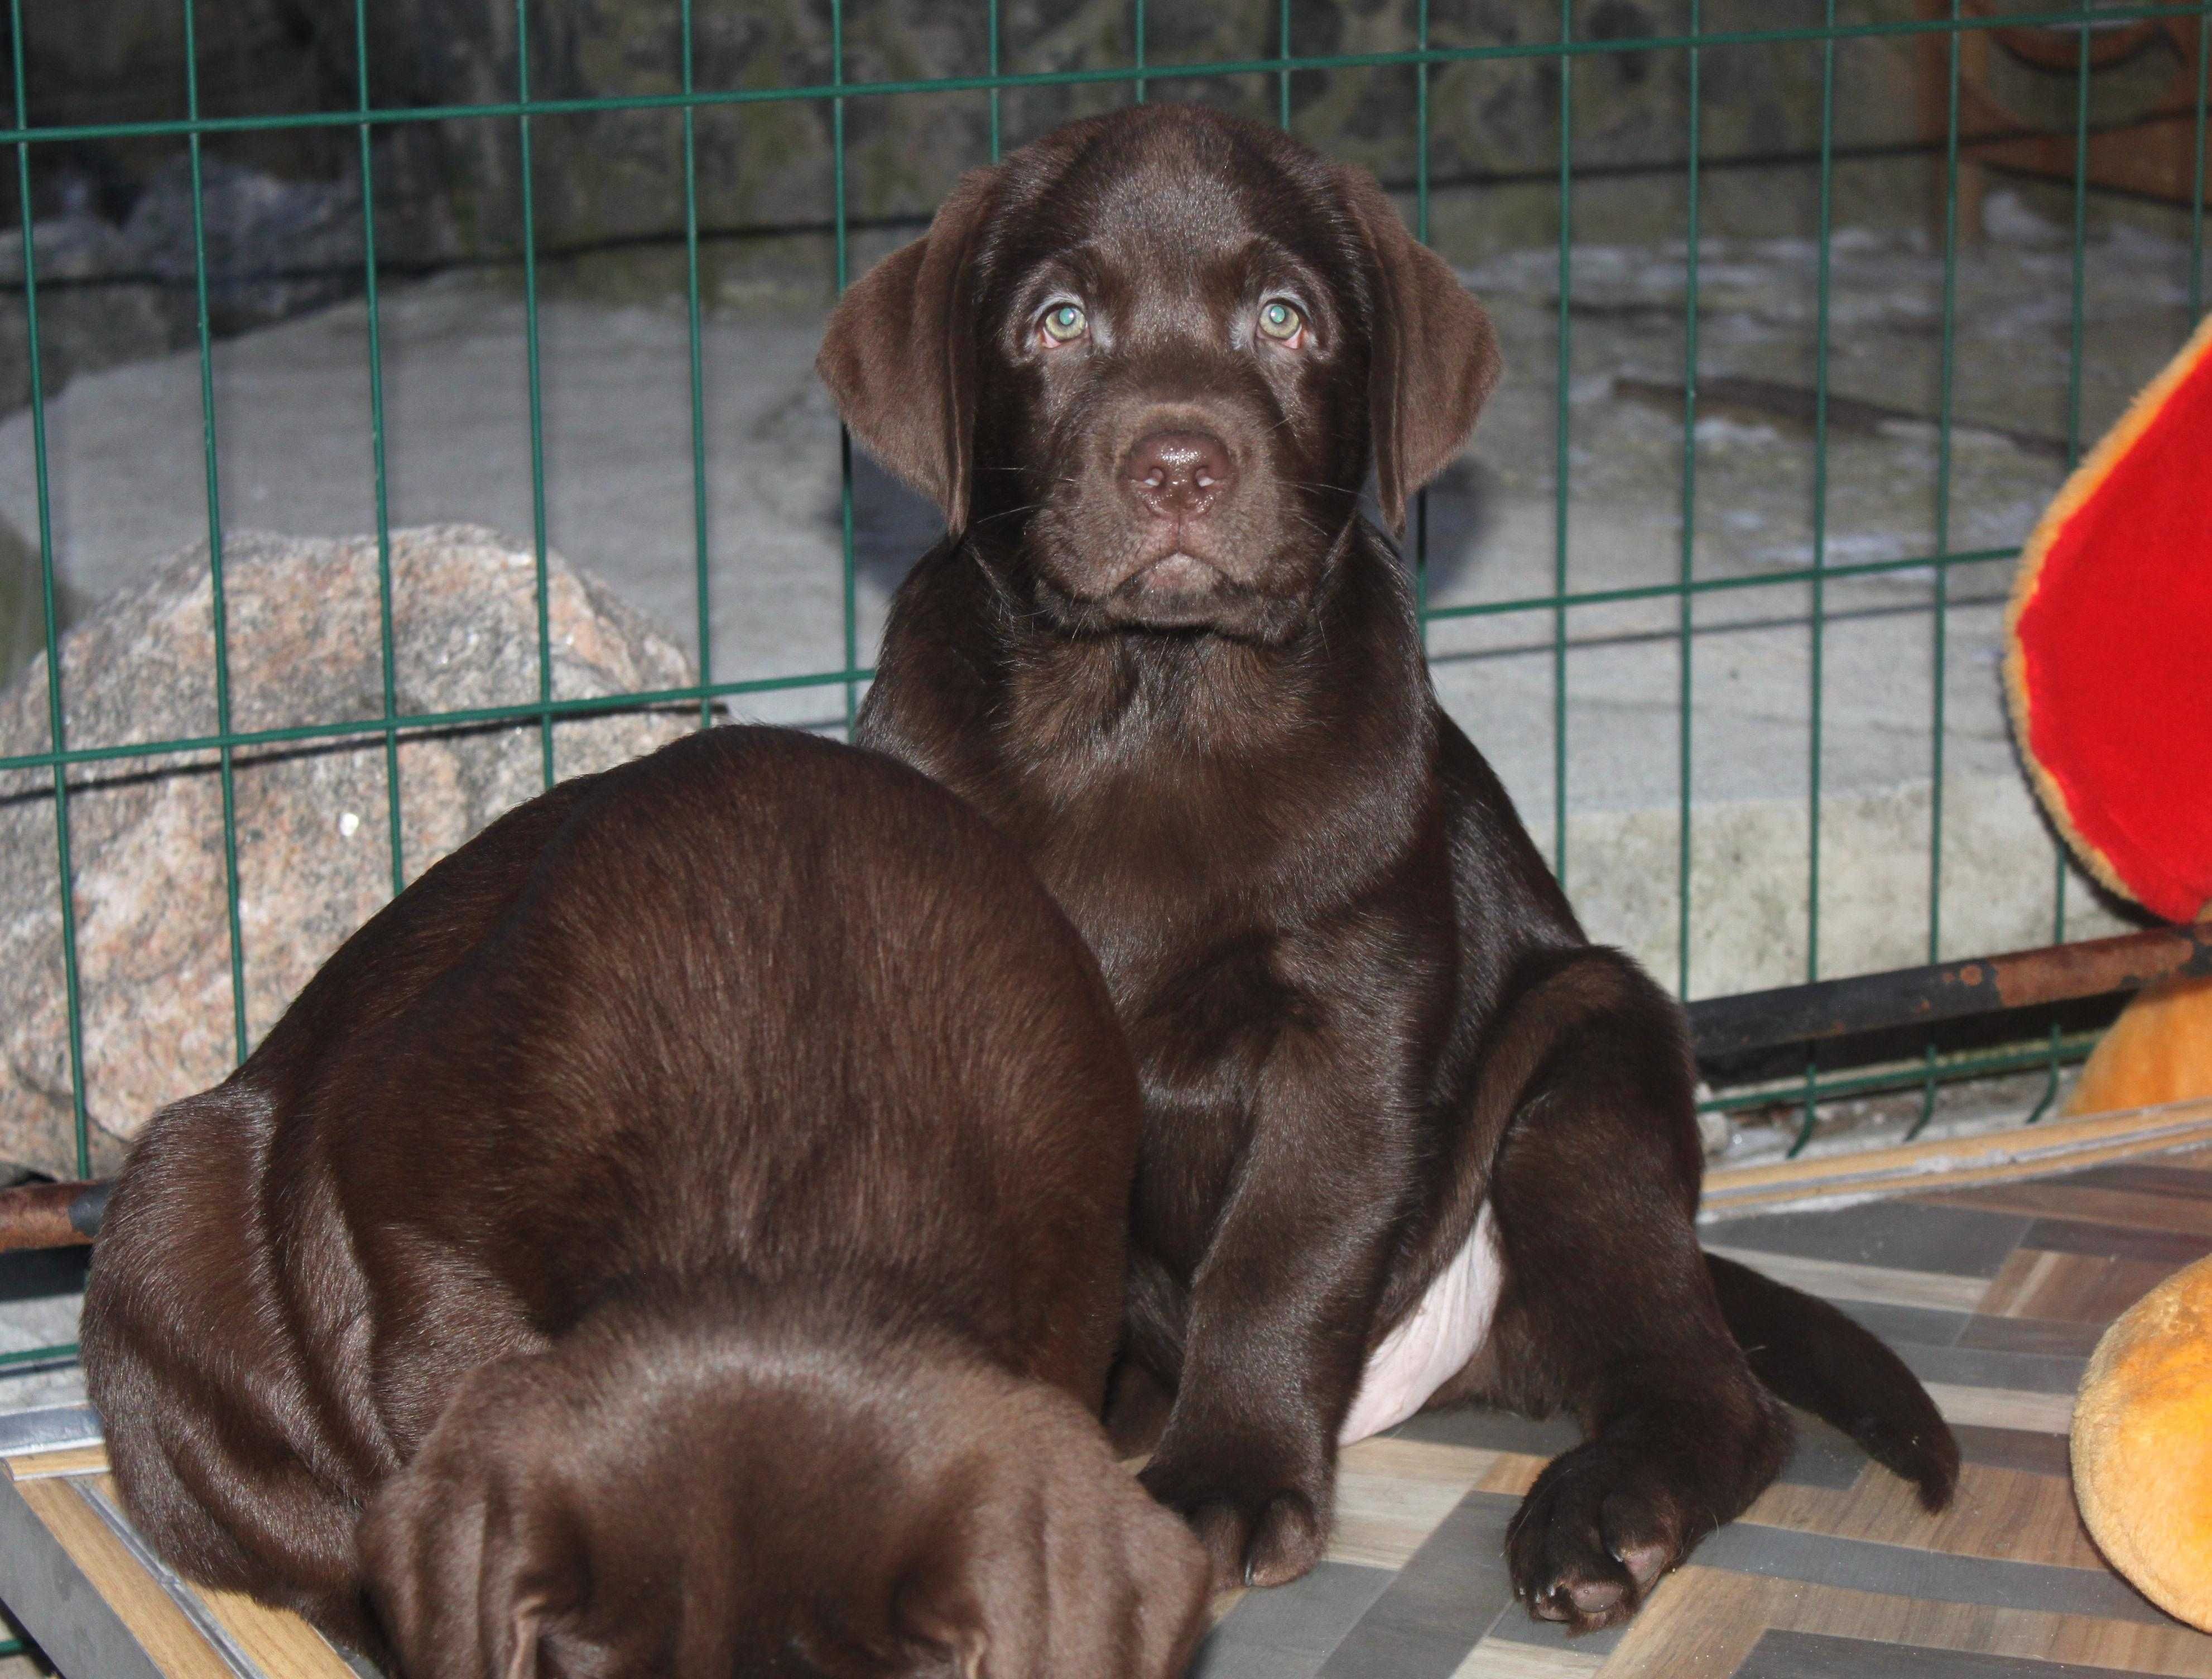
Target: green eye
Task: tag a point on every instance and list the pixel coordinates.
(1065, 323)
(1280, 320)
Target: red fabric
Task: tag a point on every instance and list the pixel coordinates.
(2115, 645)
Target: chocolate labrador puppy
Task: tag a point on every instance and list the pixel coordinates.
(682, 1235)
(1409, 1137)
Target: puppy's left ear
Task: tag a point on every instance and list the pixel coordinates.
(899, 355)
(1058, 1562)
(1434, 355)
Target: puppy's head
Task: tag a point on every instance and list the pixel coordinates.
(695, 1506)
(1148, 363)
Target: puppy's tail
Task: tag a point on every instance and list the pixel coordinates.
(1815, 1357)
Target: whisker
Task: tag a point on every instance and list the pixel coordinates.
(1308, 484)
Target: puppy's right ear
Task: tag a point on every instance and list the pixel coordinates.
(463, 1564)
(899, 355)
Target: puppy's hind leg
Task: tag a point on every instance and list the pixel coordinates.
(1608, 1307)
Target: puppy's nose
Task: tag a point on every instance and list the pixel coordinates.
(1179, 474)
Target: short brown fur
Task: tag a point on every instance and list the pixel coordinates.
(681, 1235)
(1160, 648)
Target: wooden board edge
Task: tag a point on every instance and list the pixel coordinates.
(1958, 1163)
(65, 1460)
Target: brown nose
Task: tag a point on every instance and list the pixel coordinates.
(1179, 474)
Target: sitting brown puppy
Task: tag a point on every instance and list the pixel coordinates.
(683, 1235)
(1409, 1137)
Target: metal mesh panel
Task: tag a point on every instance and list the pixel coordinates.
(1573, 54)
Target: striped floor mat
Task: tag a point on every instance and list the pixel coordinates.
(1995, 1295)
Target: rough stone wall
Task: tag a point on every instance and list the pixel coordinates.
(454, 188)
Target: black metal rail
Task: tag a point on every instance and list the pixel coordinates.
(1754, 1020)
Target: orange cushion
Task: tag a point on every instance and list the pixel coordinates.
(2142, 1446)
(2158, 1050)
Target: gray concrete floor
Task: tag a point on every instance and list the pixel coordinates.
(293, 412)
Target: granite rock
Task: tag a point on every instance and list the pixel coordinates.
(313, 815)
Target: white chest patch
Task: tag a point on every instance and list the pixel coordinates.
(1433, 1342)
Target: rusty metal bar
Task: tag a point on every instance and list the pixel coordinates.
(51, 1215)
(1947, 990)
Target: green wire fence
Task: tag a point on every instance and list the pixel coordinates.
(1566, 48)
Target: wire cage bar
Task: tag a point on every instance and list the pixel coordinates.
(1570, 49)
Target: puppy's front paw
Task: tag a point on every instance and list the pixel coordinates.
(1259, 1529)
(1590, 1538)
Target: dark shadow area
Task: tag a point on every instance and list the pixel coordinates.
(2021, 1029)
(892, 526)
(39, 1273)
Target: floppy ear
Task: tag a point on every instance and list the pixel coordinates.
(1434, 355)
(899, 356)
(463, 1564)
(1063, 1564)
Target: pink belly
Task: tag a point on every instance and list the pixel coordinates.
(1433, 1342)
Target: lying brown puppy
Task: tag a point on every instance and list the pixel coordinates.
(689, 1223)
(1409, 1137)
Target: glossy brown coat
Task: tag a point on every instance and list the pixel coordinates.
(681, 1235)
(1360, 1004)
